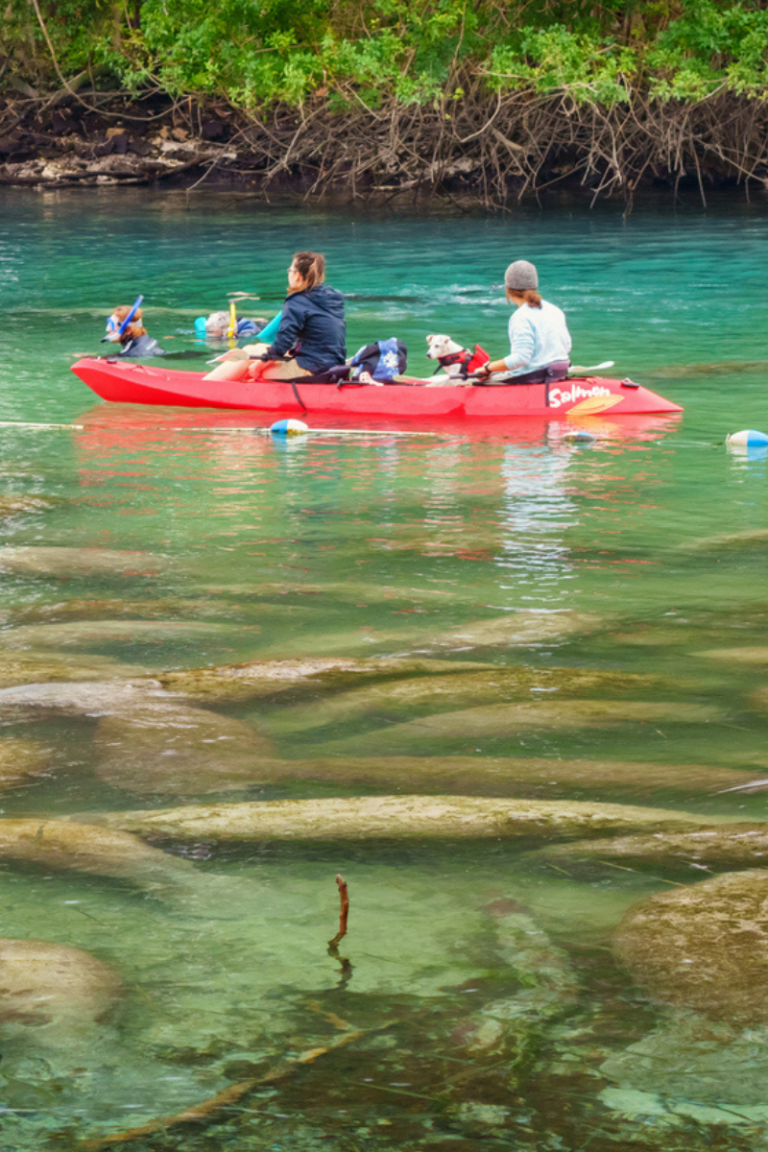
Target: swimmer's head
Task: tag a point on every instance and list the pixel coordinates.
(217, 324)
(115, 331)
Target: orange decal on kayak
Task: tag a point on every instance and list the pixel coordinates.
(594, 404)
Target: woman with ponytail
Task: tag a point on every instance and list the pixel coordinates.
(312, 333)
(539, 340)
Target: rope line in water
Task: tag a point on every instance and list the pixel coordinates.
(321, 431)
(251, 428)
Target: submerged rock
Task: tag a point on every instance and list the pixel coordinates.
(704, 947)
(28, 668)
(50, 561)
(172, 750)
(66, 845)
(759, 699)
(352, 591)
(51, 992)
(752, 538)
(464, 688)
(498, 775)
(548, 984)
(748, 655)
(80, 609)
(264, 678)
(717, 368)
(393, 818)
(523, 628)
(729, 846)
(526, 626)
(147, 739)
(692, 1059)
(16, 504)
(82, 697)
(98, 633)
(20, 760)
(502, 719)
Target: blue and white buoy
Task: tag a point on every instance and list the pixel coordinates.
(748, 439)
(289, 428)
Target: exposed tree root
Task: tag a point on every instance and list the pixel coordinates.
(498, 147)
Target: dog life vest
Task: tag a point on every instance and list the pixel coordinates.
(469, 361)
(382, 361)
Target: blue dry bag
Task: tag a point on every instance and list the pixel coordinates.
(382, 361)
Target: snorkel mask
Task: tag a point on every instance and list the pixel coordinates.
(116, 328)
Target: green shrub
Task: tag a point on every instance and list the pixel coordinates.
(258, 52)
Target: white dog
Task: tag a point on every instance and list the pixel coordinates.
(458, 364)
(452, 356)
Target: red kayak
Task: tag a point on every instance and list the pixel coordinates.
(126, 382)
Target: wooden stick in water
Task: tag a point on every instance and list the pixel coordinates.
(343, 912)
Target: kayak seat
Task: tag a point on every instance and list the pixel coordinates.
(336, 375)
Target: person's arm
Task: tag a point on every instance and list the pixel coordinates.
(520, 347)
(288, 332)
(521, 341)
(492, 366)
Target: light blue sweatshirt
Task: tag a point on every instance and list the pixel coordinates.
(537, 337)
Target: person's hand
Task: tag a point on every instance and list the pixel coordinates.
(484, 371)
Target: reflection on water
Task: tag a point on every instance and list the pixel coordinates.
(218, 649)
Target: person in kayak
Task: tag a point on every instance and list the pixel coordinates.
(133, 338)
(312, 331)
(539, 340)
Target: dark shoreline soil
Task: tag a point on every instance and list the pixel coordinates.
(100, 139)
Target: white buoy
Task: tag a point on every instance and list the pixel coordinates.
(289, 428)
(748, 439)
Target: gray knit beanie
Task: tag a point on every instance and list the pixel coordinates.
(520, 276)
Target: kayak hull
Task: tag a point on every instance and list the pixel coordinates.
(130, 383)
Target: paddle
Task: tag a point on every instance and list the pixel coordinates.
(580, 370)
(266, 336)
(574, 370)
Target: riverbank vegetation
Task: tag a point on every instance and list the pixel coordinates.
(393, 94)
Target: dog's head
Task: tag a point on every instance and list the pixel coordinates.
(439, 346)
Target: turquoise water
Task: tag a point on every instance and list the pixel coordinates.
(570, 623)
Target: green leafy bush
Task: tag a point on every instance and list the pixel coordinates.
(259, 52)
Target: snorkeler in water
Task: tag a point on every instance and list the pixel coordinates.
(124, 327)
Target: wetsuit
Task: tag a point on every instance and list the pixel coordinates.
(144, 345)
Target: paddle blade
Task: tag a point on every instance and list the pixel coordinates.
(580, 370)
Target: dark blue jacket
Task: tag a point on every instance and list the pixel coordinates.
(313, 321)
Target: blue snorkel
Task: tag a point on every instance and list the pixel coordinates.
(111, 334)
(130, 315)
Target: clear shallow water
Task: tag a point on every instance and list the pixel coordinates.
(641, 556)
